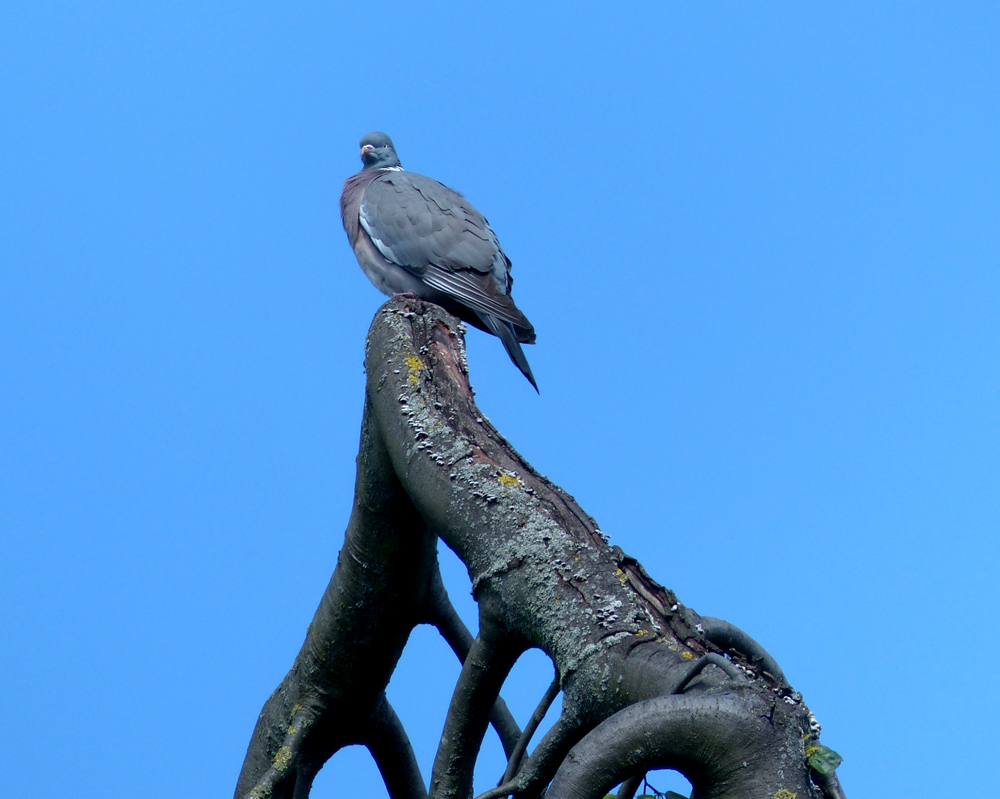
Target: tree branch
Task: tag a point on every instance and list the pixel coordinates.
(393, 754)
(517, 755)
(356, 636)
(728, 636)
(442, 614)
(484, 671)
(430, 465)
(717, 741)
(698, 666)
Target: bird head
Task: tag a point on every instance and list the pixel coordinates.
(377, 151)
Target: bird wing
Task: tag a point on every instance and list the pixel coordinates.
(436, 234)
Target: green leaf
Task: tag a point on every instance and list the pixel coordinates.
(672, 795)
(822, 759)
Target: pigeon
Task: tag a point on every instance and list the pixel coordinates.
(412, 234)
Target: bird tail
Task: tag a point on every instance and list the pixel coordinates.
(505, 332)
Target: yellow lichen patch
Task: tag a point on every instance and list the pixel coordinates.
(643, 632)
(784, 793)
(260, 792)
(416, 366)
(508, 480)
(282, 758)
(687, 655)
(292, 729)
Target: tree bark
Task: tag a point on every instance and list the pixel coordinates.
(646, 682)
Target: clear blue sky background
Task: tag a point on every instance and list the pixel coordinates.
(760, 246)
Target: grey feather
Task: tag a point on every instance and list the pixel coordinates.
(412, 233)
(421, 222)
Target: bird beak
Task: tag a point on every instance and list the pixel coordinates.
(367, 149)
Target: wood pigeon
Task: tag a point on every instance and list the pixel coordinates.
(413, 234)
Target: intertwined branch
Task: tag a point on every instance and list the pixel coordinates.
(646, 683)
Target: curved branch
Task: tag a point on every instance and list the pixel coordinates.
(393, 754)
(553, 749)
(539, 561)
(441, 613)
(699, 665)
(356, 636)
(531, 780)
(430, 465)
(716, 741)
(483, 673)
(728, 636)
(516, 756)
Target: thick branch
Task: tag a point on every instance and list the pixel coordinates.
(442, 614)
(725, 744)
(356, 635)
(430, 466)
(538, 563)
(484, 671)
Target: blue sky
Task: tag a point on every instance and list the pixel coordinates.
(759, 245)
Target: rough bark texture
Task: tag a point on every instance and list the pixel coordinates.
(646, 682)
